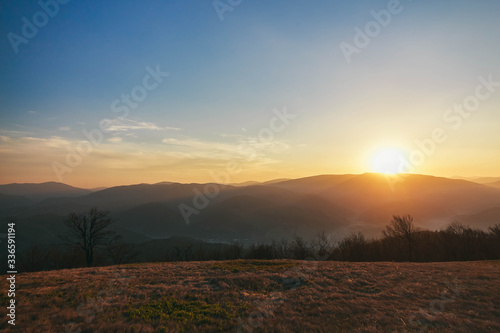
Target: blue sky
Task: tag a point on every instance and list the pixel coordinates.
(226, 77)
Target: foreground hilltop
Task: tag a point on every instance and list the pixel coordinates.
(261, 296)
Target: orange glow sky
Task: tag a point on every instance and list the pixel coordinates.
(227, 80)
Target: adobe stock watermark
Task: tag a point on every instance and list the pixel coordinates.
(248, 151)
(454, 118)
(30, 28)
(223, 6)
(121, 107)
(372, 29)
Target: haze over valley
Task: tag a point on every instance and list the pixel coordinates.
(258, 212)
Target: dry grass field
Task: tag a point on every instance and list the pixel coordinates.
(261, 296)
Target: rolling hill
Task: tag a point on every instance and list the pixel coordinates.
(482, 219)
(337, 204)
(375, 198)
(494, 184)
(42, 191)
(8, 202)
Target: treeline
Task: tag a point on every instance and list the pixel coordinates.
(456, 243)
(401, 241)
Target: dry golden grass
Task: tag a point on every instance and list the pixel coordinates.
(261, 296)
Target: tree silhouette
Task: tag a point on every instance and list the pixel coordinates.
(353, 247)
(402, 227)
(119, 251)
(88, 230)
(322, 245)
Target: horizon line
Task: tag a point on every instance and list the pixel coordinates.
(456, 177)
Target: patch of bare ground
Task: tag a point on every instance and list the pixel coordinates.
(261, 296)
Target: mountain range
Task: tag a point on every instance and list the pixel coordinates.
(336, 204)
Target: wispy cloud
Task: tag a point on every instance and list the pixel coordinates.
(273, 146)
(125, 125)
(243, 147)
(65, 128)
(172, 128)
(51, 142)
(200, 145)
(15, 146)
(12, 133)
(115, 139)
(176, 157)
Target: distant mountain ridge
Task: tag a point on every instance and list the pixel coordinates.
(479, 180)
(337, 204)
(40, 191)
(494, 184)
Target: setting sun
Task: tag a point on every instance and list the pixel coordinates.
(387, 161)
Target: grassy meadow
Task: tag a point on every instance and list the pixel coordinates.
(261, 296)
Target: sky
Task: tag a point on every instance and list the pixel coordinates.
(100, 94)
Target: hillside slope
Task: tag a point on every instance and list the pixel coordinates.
(434, 201)
(261, 296)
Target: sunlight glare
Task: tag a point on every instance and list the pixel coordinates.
(387, 161)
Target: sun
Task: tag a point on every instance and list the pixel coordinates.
(387, 161)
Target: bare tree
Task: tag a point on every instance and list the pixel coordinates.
(88, 230)
(281, 249)
(466, 240)
(494, 237)
(299, 248)
(495, 230)
(402, 227)
(353, 247)
(322, 245)
(456, 228)
(119, 251)
(234, 251)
